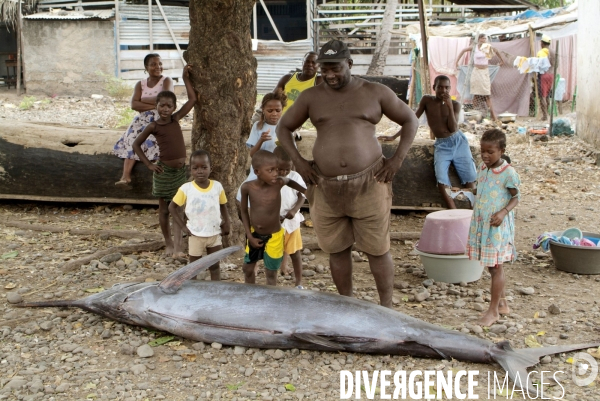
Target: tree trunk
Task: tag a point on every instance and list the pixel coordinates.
(383, 39)
(224, 75)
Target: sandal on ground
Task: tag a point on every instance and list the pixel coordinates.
(297, 137)
(123, 184)
(299, 287)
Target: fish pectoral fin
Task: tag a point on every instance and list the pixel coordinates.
(315, 339)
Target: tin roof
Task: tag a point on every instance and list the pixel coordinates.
(518, 4)
(63, 14)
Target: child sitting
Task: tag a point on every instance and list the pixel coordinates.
(265, 237)
(451, 145)
(169, 171)
(492, 231)
(206, 210)
(290, 216)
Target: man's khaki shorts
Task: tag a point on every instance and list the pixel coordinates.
(198, 245)
(352, 209)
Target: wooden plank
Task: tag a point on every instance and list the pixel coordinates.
(95, 3)
(392, 59)
(168, 64)
(77, 200)
(139, 74)
(140, 54)
(392, 70)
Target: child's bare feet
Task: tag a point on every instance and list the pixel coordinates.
(503, 308)
(179, 255)
(169, 250)
(488, 318)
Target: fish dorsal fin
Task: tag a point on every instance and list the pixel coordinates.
(175, 280)
(315, 339)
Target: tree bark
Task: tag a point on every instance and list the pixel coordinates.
(224, 75)
(383, 39)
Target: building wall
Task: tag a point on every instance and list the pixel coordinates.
(62, 57)
(588, 84)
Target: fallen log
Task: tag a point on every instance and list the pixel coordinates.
(79, 167)
(147, 246)
(126, 234)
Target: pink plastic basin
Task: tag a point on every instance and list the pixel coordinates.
(446, 232)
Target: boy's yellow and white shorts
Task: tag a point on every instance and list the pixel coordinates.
(271, 252)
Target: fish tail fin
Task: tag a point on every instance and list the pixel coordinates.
(516, 362)
(65, 303)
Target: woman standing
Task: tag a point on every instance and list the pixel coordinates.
(144, 102)
(480, 85)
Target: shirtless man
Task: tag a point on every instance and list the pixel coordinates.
(349, 181)
(451, 145)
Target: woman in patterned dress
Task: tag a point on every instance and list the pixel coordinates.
(492, 231)
(144, 102)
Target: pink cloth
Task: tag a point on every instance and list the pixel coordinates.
(442, 58)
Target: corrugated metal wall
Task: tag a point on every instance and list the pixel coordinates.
(274, 58)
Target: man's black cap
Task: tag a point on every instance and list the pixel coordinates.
(334, 51)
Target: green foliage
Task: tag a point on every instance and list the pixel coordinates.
(233, 387)
(125, 117)
(115, 87)
(551, 3)
(27, 102)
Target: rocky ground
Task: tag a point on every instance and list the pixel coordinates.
(56, 354)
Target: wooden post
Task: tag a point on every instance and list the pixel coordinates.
(423, 24)
(254, 22)
(150, 34)
(271, 20)
(535, 84)
(553, 89)
(19, 29)
(118, 37)
(171, 31)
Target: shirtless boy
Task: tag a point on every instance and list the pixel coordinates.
(265, 234)
(451, 145)
(349, 181)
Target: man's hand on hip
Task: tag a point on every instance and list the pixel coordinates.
(389, 169)
(308, 173)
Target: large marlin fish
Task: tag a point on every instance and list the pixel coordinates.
(274, 317)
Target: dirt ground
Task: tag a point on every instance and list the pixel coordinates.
(57, 354)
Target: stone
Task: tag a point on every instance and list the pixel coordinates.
(216, 345)
(278, 354)
(138, 369)
(239, 350)
(16, 383)
(47, 326)
(459, 304)
(145, 351)
(249, 372)
(308, 273)
(14, 298)
(113, 257)
(306, 251)
(96, 96)
(479, 307)
(428, 283)
(498, 328)
(356, 257)
(527, 290)
(554, 309)
(421, 296)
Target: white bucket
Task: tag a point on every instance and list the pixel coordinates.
(450, 268)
